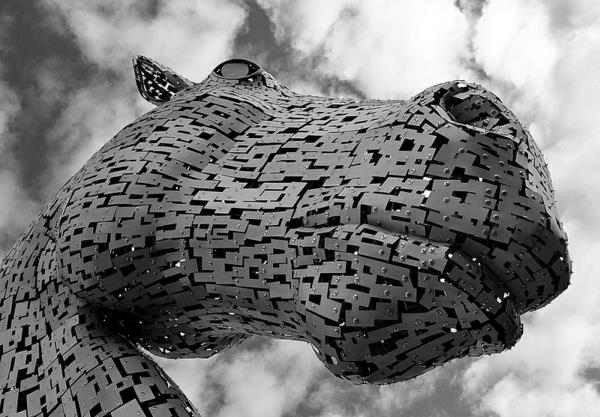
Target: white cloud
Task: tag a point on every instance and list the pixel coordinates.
(194, 378)
(518, 46)
(266, 382)
(389, 49)
(515, 44)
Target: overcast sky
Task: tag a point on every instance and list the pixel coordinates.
(66, 87)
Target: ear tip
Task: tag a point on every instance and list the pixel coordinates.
(157, 83)
(140, 59)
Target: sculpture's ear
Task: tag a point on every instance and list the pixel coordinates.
(156, 83)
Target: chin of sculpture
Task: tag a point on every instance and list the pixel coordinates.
(391, 235)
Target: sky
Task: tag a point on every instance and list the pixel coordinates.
(67, 86)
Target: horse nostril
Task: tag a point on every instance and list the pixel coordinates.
(473, 107)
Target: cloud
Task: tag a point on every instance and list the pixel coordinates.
(266, 383)
(189, 36)
(389, 49)
(16, 207)
(516, 46)
(266, 380)
(92, 115)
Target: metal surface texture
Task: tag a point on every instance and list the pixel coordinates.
(392, 235)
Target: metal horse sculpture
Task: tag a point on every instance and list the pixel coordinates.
(392, 235)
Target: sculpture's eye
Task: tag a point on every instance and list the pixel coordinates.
(237, 69)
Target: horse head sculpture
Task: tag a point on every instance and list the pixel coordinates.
(392, 235)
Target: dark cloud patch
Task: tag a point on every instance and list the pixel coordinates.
(446, 400)
(218, 398)
(438, 394)
(472, 8)
(592, 375)
(256, 41)
(42, 66)
(146, 10)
